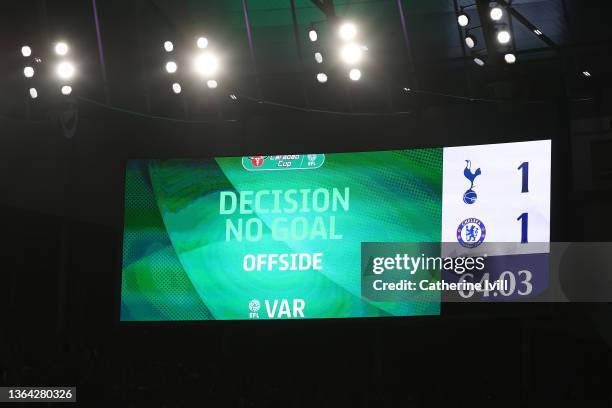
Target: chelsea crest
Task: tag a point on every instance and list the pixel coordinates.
(471, 233)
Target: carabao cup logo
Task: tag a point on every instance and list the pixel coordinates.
(470, 196)
(257, 161)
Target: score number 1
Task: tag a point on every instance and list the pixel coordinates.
(524, 217)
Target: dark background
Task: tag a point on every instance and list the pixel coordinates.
(61, 198)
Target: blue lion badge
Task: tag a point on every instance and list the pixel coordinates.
(471, 233)
(470, 196)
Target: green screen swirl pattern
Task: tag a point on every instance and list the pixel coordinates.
(178, 266)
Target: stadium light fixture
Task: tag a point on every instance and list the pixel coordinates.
(65, 70)
(463, 20)
(496, 13)
(171, 67)
(61, 48)
(351, 53)
(206, 64)
(348, 31)
(510, 58)
(355, 74)
(503, 37)
(202, 42)
(470, 41)
(28, 72)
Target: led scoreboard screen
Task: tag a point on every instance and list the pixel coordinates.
(280, 236)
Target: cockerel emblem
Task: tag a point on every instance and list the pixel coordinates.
(470, 196)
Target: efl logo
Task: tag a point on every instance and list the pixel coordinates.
(254, 307)
(257, 161)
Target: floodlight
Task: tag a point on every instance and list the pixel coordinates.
(65, 70)
(496, 13)
(61, 48)
(503, 37)
(463, 20)
(355, 74)
(202, 42)
(348, 31)
(206, 64)
(171, 67)
(351, 53)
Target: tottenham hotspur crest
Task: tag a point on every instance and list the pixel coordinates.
(469, 197)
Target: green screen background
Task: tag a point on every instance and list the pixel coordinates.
(178, 266)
